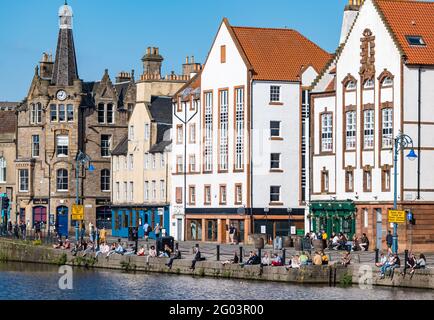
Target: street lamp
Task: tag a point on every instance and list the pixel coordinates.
(81, 159)
(289, 221)
(402, 141)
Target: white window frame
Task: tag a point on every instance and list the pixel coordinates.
(224, 130)
(126, 191)
(387, 127)
(162, 160)
(131, 191)
(351, 130)
(275, 94)
(368, 129)
(146, 161)
(131, 133)
(23, 180)
(327, 132)
(154, 190)
(208, 148)
(105, 149)
(60, 142)
(162, 190)
(147, 132)
(239, 127)
(3, 170)
(117, 191)
(36, 146)
(63, 182)
(146, 189)
(274, 128)
(278, 161)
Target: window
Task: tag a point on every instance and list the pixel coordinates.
(365, 218)
(238, 194)
(223, 54)
(192, 195)
(367, 180)
(154, 160)
(369, 84)
(131, 133)
(224, 127)
(386, 180)
(275, 129)
(179, 164)
(53, 113)
(70, 112)
(147, 132)
(130, 108)
(326, 132)
(275, 194)
(126, 191)
(23, 175)
(162, 190)
(62, 143)
(325, 181)
(131, 161)
(146, 190)
(351, 85)
(178, 195)
(125, 162)
(208, 132)
(146, 161)
(192, 160)
(162, 160)
(154, 190)
(2, 170)
(105, 145)
(275, 161)
(101, 113)
(239, 129)
(368, 131)
(36, 113)
(387, 81)
(131, 191)
(351, 124)
(274, 94)
(415, 41)
(207, 196)
(62, 113)
(193, 133)
(223, 195)
(387, 128)
(349, 181)
(117, 192)
(179, 134)
(110, 117)
(62, 180)
(35, 146)
(105, 180)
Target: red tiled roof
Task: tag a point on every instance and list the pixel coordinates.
(8, 121)
(411, 18)
(279, 54)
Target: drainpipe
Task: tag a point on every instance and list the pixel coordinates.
(251, 155)
(419, 116)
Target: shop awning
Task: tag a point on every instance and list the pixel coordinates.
(331, 208)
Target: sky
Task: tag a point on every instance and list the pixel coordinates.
(114, 34)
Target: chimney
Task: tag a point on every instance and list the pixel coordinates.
(123, 77)
(350, 13)
(152, 62)
(190, 68)
(46, 66)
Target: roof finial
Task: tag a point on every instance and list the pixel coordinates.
(66, 2)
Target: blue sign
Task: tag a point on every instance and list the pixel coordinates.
(409, 216)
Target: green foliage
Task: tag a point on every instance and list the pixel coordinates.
(37, 243)
(3, 257)
(61, 260)
(346, 280)
(178, 271)
(202, 272)
(127, 266)
(227, 274)
(83, 261)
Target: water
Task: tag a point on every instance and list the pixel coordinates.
(39, 282)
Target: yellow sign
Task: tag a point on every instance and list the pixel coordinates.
(77, 212)
(396, 216)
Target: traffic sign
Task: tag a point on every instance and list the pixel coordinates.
(396, 216)
(77, 212)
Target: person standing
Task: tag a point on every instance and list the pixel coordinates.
(37, 230)
(157, 231)
(324, 237)
(389, 241)
(146, 230)
(103, 235)
(83, 231)
(23, 230)
(232, 232)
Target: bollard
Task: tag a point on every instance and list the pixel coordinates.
(283, 256)
(376, 255)
(260, 253)
(241, 254)
(405, 261)
(218, 252)
(177, 246)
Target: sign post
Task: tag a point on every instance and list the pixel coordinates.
(397, 216)
(77, 212)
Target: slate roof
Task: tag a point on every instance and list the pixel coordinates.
(160, 147)
(410, 18)
(65, 65)
(279, 54)
(122, 148)
(161, 109)
(6, 105)
(8, 122)
(89, 89)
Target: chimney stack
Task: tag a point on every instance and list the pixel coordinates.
(123, 77)
(190, 68)
(46, 66)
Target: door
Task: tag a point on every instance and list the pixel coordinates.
(40, 215)
(379, 228)
(179, 229)
(211, 230)
(62, 221)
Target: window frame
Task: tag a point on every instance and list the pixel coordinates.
(58, 146)
(326, 140)
(275, 94)
(3, 170)
(62, 180)
(34, 144)
(273, 194)
(103, 180)
(26, 180)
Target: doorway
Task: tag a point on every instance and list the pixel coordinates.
(379, 228)
(211, 232)
(39, 215)
(62, 221)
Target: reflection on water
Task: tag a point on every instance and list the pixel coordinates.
(40, 282)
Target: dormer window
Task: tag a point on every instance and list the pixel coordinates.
(369, 84)
(351, 85)
(415, 41)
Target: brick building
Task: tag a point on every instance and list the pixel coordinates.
(61, 116)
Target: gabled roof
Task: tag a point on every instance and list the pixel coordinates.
(161, 109)
(122, 148)
(410, 18)
(8, 121)
(279, 54)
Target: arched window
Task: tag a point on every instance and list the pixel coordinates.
(62, 180)
(351, 85)
(387, 81)
(2, 169)
(105, 180)
(369, 84)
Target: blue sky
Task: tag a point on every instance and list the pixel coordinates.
(114, 34)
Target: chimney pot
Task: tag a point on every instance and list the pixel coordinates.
(192, 59)
(186, 60)
(148, 51)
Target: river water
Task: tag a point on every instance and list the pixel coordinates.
(41, 282)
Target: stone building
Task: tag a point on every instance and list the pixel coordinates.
(61, 116)
(8, 128)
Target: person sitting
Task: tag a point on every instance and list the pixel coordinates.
(295, 263)
(393, 263)
(66, 245)
(355, 243)
(59, 244)
(420, 264)
(383, 260)
(130, 251)
(103, 249)
(324, 258)
(177, 255)
(166, 252)
(265, 261)
(112, 250)
(303, 259)
(197, 257)
(342, 242)
(346, 259)
(335, 242)
(277, 261)
(89, 248)
(119, 249)
(317, 259)
(152, 253)
(364, 242)
(234, 260)
(141, 252)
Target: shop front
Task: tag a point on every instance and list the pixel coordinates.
(333, 217)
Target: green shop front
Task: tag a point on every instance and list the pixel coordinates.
(333, 216)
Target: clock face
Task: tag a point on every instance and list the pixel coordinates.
(61, 95)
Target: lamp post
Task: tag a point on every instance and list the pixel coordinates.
(402, 141)
(81, 159)
(289, 221)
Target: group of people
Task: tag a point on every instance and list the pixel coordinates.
(18, 230)
(391, 261)
(340, 242)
